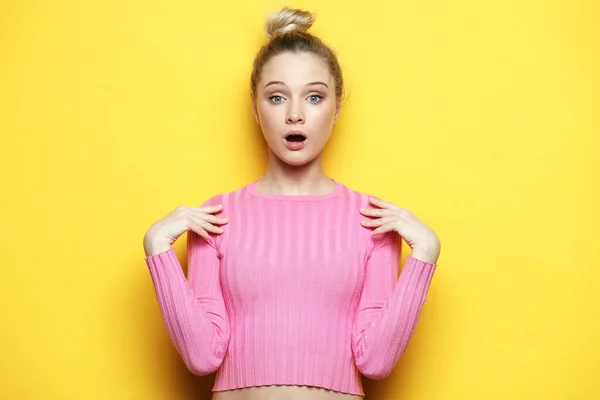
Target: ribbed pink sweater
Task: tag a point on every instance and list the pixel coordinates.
(294, 291)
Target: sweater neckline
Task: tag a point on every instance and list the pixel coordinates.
(337, 189)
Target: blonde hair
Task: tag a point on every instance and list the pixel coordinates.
(287, 32)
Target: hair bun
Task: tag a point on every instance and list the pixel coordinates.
(288, 20)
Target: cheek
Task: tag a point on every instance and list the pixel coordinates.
(323, 117)
(268, 115)
(270, 122)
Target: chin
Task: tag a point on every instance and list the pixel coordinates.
(296, 159)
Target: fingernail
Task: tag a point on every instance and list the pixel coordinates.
(363, 209)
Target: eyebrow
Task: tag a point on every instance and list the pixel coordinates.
(315, 83)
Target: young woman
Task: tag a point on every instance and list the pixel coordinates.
(296, 292)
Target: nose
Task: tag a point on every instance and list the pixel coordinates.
(295, 115)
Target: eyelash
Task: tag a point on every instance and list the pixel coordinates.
(315, 95)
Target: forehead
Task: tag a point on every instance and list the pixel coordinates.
(295, 69)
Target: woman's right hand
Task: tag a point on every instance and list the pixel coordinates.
(164, 232)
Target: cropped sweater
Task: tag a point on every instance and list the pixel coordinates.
(295, 291)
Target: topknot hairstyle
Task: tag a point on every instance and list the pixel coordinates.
(288, 20)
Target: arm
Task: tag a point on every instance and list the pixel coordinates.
(193, 309)
(389, 307)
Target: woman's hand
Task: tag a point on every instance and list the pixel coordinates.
(164, 232)
(421, 238)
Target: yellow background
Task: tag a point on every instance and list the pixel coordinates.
(481, 117)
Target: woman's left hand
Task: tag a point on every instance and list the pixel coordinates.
(421, 238)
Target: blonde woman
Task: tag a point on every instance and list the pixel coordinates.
(292, 289)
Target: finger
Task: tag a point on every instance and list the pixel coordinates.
(382, 203)
(383, 229)
(203, 212)
(212, 228)
(207, 226)
(195, 227)
(208, 209)
(375, 212)
(214, 219)
(377, 222)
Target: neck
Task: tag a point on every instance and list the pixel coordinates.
(282, 178)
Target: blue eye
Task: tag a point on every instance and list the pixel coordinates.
(318, 96)
(275, 96)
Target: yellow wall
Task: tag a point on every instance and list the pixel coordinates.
(482, 117)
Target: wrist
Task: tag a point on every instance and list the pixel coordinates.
(153, 246)
(428, 256)
(154, 250)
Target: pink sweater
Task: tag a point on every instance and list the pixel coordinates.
(294, 291)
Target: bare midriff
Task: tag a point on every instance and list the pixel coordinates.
(283, 392)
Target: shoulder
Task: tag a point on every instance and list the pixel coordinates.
(360, 196)
(230, 198)
(388, 239)
(224, 196)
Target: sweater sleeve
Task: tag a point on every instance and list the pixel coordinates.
(193, 309)
(389, 306)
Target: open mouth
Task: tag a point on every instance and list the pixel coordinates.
(295, 138)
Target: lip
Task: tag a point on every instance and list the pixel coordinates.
(295, 132)
(294, 146)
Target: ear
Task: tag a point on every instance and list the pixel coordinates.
(338, 108)
(254, 110)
